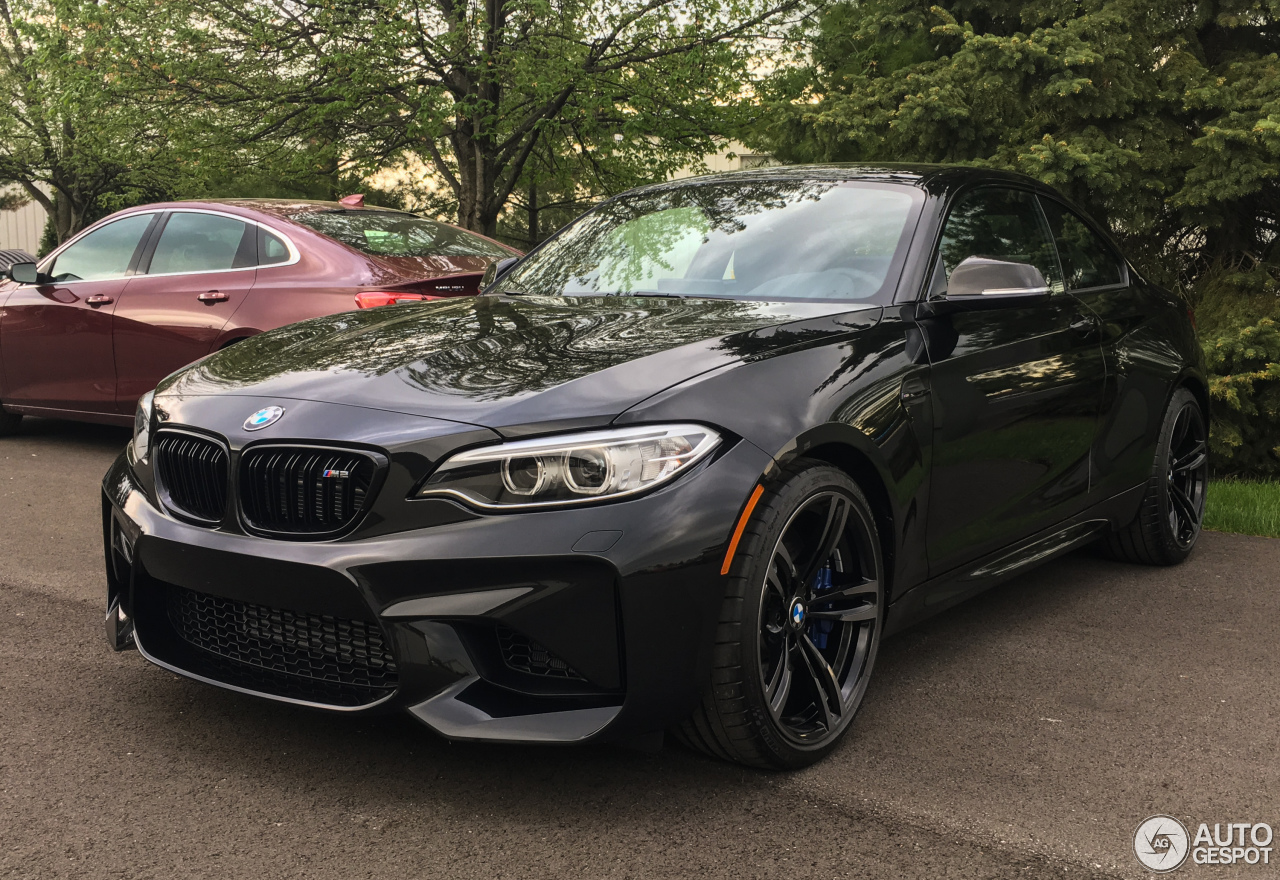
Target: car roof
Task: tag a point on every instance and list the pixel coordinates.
(932, 177)
(284, 209)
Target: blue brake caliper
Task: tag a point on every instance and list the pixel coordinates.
(820, 629)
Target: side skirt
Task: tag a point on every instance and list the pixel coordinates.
(942, 592)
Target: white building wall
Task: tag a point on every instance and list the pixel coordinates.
(23, 228)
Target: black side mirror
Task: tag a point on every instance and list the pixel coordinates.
(24, 273)
(493, 274)
(986, 282)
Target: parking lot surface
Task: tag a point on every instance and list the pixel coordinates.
(1024, 734)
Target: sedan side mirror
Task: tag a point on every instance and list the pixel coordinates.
(24, 273)
(986, 282)
(496, 270)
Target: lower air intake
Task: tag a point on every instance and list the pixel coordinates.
(523, 654)
(311, 657)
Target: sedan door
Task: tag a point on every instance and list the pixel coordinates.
(55, 337)
(1016, 391)
(198, 273)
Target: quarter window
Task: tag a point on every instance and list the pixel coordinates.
(104, 253)
(271, 250)
(1001, 223)
(1087, 260)
(202, 243)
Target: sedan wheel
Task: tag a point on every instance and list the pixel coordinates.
(1169, 520)
(800, 625)
(9, 423)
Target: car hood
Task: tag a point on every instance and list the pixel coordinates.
(513, 363)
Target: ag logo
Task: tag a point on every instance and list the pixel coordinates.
(263, 418)
(1161, 843)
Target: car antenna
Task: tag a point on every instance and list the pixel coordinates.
(352, 201)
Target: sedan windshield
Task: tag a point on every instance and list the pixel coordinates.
(771, 240)
(392, 234)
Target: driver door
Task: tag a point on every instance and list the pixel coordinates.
(55, 341)
(1016, 390)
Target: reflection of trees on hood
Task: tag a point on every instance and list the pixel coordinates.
(485, 347)
(635, 234)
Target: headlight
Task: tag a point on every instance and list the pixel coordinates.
(141, 444)
(571, 468)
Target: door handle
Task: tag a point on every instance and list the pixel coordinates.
(213, 296)
(914, 388)
(1084, 324)
(99, 299)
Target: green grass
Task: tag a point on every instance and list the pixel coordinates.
(1246, 508)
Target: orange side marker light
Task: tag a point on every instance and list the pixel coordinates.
(742, 524)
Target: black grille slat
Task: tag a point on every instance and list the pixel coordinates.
(314, 657)
(192, 473)
(304, 491)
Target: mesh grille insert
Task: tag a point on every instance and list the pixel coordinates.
(303, 490)
(305, 656)
(192, 472)
(523, 654)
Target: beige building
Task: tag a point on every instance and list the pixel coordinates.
(734, 157)
(22, 229)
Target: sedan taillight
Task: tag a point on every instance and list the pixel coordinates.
(370, 299)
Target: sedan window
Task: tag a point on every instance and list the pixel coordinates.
(393, 234)
(271, 250)
(1001, 223)
(102, 254)
(1087, 261)
(202, 243)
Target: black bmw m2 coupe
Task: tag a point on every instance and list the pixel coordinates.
(680, 468)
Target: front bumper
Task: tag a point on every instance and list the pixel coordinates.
(556, 626)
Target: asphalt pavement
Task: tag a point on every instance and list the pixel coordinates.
(1025, 733)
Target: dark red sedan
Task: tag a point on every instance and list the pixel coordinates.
(151, 289)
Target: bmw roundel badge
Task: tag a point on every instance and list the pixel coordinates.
(263, 418)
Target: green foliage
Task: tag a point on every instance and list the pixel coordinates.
(1244, 362)
(1161, 118)
(567, 98)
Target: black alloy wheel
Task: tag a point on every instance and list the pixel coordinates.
(1172, 512)
(800, 625)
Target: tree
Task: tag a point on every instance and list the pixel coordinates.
(64, 125)
(478, 89)
(1161, 117)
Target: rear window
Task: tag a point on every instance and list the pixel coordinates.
(388, 234)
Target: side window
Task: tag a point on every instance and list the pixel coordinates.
(1087, 260)
(271, 250)
(102, 254)
(203, 243)
(1001, 223)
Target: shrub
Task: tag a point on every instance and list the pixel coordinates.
(1243, 359)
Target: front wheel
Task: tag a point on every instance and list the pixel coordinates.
(800, 624)
(1172, 512)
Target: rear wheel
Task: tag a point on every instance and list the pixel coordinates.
(9, 423)
(800, 625)
(1169, 520)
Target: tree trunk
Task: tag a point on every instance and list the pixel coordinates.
(534, 237)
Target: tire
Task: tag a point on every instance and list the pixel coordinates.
(1172, 511)
(9, 423)
(756, 709)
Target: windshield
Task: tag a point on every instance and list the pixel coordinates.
(391, 234)
(774, 240)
